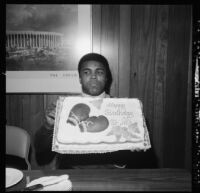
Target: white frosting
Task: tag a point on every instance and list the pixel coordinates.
(126, 130)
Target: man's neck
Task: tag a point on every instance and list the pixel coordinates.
(102, 95)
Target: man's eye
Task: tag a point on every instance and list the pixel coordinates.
(86, 72)
(100, 72)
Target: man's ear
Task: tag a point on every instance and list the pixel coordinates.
(106, 80)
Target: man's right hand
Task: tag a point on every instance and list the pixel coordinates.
(50, 116)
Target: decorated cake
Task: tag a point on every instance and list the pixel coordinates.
(94, 125)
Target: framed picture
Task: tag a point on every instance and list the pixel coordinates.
(44, 43)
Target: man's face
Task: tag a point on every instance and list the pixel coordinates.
(93, 78)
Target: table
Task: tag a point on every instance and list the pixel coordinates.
(117, 179)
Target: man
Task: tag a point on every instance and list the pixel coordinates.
(95, 79)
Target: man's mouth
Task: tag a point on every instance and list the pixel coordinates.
(94, 84)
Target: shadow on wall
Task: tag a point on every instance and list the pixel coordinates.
(152, 158)
(144, 159)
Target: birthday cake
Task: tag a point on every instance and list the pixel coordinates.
(94, 125)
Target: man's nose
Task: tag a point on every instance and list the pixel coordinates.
(94, 75)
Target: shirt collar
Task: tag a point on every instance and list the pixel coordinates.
(102, 95)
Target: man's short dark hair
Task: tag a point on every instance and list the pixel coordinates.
(94, 57)
(101, 59)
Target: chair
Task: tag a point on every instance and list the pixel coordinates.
(18, 143)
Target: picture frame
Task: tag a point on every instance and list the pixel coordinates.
(40, 58)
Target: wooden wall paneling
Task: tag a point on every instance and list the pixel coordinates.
(188, 140)
(136, 18)
(143, 49)
(110, 41)
(33, 110)
(96, 28)
(13, 110)
(124, 50)
(176, 85)
(160, 80)
(49, 99)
